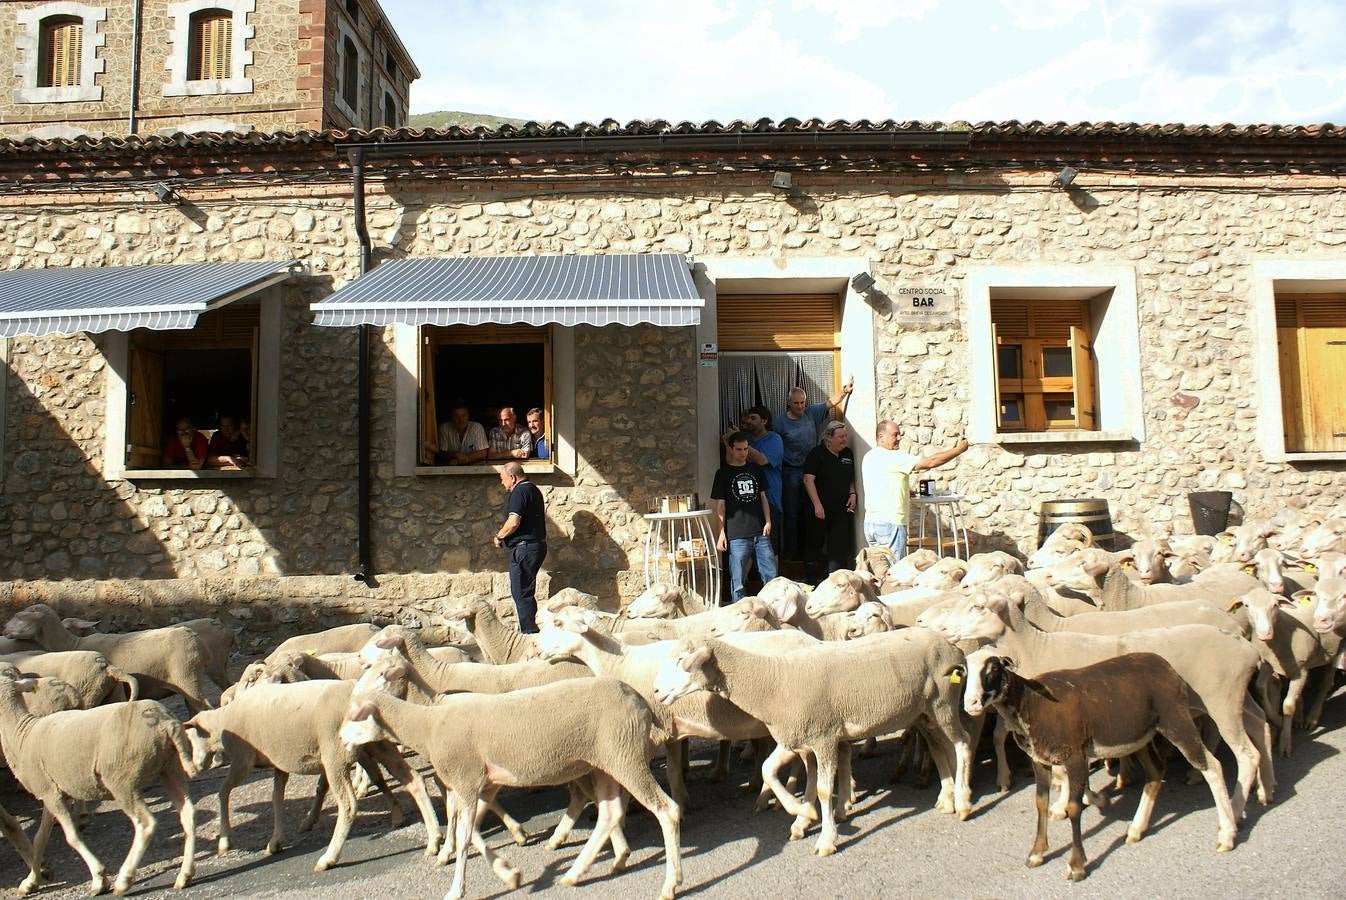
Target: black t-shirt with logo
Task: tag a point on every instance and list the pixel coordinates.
(833, 475)
(740, 487)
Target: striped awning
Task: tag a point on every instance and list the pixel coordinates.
(120, 298)
(618, 289)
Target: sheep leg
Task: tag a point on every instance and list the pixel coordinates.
(640, 784)
(97, 874)
(339, 777)
(940, 752)
(11, 829)
(825, 755)
(238, 772)
(675, 757)
(568, 818)
(721, 767)
(397, 814)
(1258, 733)
(1154, 776)
(949, 740)
(1322, 692)
(845, 792)
(1293, 693)
(1042, 777)
(394, 763)
(1004, 779)
(606, 793)
(807, 813)
(771, 767)
(315, 808)
(175, 786)
(143, 821)
(1182, 734)
(502, 867)
(1077, 776)
(621, 850)
(465, 808)
(278, 782)
(38, 851)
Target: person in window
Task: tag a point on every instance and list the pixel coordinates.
(510, 440)
(744, 514)
(537, 429)
(228, 448)
(462, 441)
(829, 481)
(799, 428)
(886, 471)
(243, 443)
(187, 448)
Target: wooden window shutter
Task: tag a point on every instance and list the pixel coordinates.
(791, 322)
(1311, 339)
(1082, 370)
(61, 44)
(145, 409)
(210, 45)
(429, 443)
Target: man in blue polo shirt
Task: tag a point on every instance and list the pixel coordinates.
(799, 430)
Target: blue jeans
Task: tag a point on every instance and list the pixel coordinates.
(739, 551)
(886, 534)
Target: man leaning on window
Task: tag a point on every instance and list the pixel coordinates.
(462, 441)
(510, 440)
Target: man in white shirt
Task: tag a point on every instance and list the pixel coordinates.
(885, 473)
(461, 440)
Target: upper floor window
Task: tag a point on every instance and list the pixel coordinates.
(353, 10)
(389, 111)
(350, 73)
(388, 65)
(58, 55)
(210, 45)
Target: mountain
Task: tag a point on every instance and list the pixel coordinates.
(443, 118)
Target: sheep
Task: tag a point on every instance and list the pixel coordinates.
(1111, 708)
(868, 618)
(92, 677)
(262, 672)
(569, 637)
(1217, 664)
(1283, 634)
(841, 591)
(342, 639)
(540, 736)
(1098, 572)
(663, 600)
(1246, 539)
(218, 640)
(748, 614)
(1327, 565)
(985, 567)
(1064, 602)
(499, 642)
(106, 753)
(165, 660)
(293, 728)
(1157, 615)
(1147, 561)
(1065, 540)
(876, 561)
(47, 694)
(788, 600)
(814, 698)
(1329, 537)
(569, 597)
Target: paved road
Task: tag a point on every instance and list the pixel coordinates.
(895, 845)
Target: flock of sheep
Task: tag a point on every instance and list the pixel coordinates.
(1083, 654)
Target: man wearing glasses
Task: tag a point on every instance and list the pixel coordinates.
(829, 482)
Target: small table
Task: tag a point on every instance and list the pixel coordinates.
(936, 507)
(698, 570)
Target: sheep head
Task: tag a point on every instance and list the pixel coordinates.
(1328, 598)
(748, 614)
(661, 600)
(785, 597)
(361, 724)
(691, 668)
(842, 591)
(870, 617)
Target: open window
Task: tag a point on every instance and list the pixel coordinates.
(1311, 351)
(486, 367)
(202, 374)
(1044, 365)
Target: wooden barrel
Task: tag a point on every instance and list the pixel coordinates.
(1093, 514)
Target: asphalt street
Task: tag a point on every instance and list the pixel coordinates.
(896, 844)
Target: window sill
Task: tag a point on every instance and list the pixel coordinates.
(1062, 437)
(78, 93)
(532, 466)
(1323, 456)
(208, 87)
(190, 474)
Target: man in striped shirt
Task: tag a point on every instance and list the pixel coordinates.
(510, 440)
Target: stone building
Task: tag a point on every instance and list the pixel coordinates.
(1158, 319)
(120, 67)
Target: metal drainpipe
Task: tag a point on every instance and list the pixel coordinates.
(135, 67)
(365, 571)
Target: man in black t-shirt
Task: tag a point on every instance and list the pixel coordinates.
(744, 515)
(829, 482)
(525, 534)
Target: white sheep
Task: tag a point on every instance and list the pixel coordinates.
(218, 640)
(499, 641)
(546, 735)
(165, 660)
(108, 753)
(89, 673)
(984, 567)
(1099, 574)
(341, 639)
(663, 600)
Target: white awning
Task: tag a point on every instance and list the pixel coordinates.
(120, 298)
(617, 289)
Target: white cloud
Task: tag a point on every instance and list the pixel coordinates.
(592, 60)
(855, 17)
(1036, 15)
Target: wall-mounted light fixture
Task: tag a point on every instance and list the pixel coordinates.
(1066, 176)
(165, 192)
(862, 282)
(782, 181)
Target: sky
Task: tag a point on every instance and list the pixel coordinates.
(1154, 61)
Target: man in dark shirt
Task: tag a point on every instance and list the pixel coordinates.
(744, 514)
(829, 482)
(525, 534)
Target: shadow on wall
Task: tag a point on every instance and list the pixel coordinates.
(585, 557)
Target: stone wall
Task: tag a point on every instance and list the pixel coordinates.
(246, 542)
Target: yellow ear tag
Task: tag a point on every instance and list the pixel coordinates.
(1249, 569)
(1227, 540)
(311, 652)
(1306, 601)
(1310, 568)
(955, 678)
(1126, 565)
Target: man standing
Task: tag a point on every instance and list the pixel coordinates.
(510, 440)
(525, 534)
(886, 471)
(767, 452)
(462, 441)
(829, 481)
(537, 430)
(799, 429)
(744, 515)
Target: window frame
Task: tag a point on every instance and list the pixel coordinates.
(1033, 386)
(266, 386)
(183, 13)
(46, 71)
(1286, 276)
(198, 25)
(1111, 292)
(28, 43)
(348, 65)
(407, 348)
